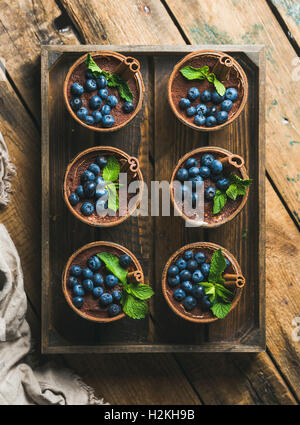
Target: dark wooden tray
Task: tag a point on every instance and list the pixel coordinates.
(158, 139)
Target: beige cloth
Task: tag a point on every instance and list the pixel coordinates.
(7, 170)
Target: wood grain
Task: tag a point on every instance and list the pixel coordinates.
(254, 23)
(290, 13)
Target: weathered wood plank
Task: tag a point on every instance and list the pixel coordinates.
(24, 27)
(290, 13)
(254, 23)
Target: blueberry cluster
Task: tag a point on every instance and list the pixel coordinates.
(90, 281)
(102, 104)
(185, 277)
(205, 115)
(209, 168)
(92, 189)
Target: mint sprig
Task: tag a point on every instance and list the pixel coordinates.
(220, 296)
(192, 73)
(134, 295)
(237, 187)
(110, 174)
(113, 80)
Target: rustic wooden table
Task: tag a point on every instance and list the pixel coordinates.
(272, 377)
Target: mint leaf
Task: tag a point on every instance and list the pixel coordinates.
(125, 93)
(133, 307)
(220, 200)
(140, 291)
(220, 88)
(220, 310)
(111, 170)
(111, 262)
(94, 68)
(113, 197)
(217, 267)
(232, 191)
(192, 73)
(240, 182)
(223, 292)
(206, 284)
(211, 292)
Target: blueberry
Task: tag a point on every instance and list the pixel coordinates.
(173, 271)
(173, 281)
(216, 167)
(114, 310)
(112, 101)
(72, 281)
(190, 303)
(82, 113)
(196, 182)
(226, 105)
(95, 102)
(205, 96)
(89, 189)
(94, 168)
(98, 279)
(101, 206)
(199, 120)
(185, 191)
(212, 111)
(102, 161)
(190, 111)
(90, 85)
(197, 276)
(87, 208)
(78, 291)
(88, 285)
(97, 292)
(192, 265)
(210, 193)
(111, 280)
(75, 271)
(101, 193)
(184, 103)
(223, 184)
(108, 121)
(97, 116)
(125, 261)
(207, 159)
(87, 273)
(222, 117)
(73, 199)
(204, 172)
(181, 263)
(193, 93)
(216, 177)
(216, 98)
(94, 263)
(200, 257)
(201, 109)
(179, 294)
(210, 121)
(185, 275)
(188, 255)
(191, 162)
(231, 94)
(106, 299)
(194, 171)
(88, 74)
(87, 175)
(205, 303)
(198, 291)
(77, 89)
(186, 286)
(78, 301)
(80, 191)
(128, 107)
(89, 120)
(205, 269)
(117, 295)
(76, 103)
(182, 174)
(100, 182)
(227, 263)
(105, 110)
(101, 82)
(103, 93)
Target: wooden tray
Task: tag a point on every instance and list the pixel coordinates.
(158, 139)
